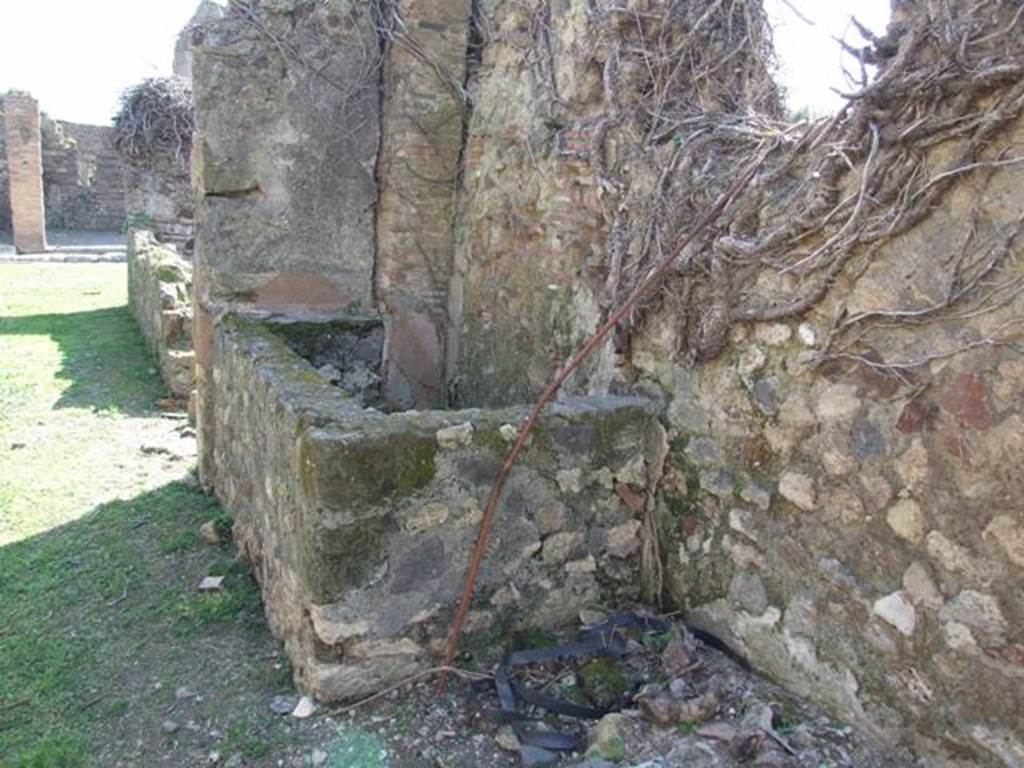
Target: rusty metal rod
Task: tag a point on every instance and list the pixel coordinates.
(630, 301)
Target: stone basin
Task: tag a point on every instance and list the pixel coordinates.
(359, 522)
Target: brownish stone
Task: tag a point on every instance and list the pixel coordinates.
(916, 416)
(967, 399)
(296, 290)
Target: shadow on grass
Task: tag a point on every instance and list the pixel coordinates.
(95, 610)
(103, 356)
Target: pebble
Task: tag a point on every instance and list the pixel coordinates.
(169, 726)
(183, 693)
(283, 705)
(318, 758)
(304, 708)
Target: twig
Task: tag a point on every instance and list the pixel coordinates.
(442, 670)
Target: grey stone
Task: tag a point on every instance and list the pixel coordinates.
(748, 591)
(423, 562)
(867, 440)
(718, 483)
(170, 726)
(766, 394)
(754, 494)
(283, 705)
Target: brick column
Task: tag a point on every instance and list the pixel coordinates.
(25, 172)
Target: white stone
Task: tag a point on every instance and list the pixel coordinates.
(304, 708)
(906, 520)
(506, 597)
(211, 584)
(898, 611)
(807, 334)
(455, 436)
(798, 489)
(751, 359)
(426, 517)
(838, 401)
(569, 480)
(959, 637)
(1006, 533)
(508, 432)
(773, 334)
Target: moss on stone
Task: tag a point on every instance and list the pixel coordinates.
(492, 441)
(603, 682)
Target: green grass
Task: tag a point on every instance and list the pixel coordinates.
(99, 551)
(74, 377)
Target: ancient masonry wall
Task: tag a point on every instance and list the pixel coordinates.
(25, 172)
(83, 182)
(82, 177)
(160, 299)
(853, 529)
(5, 192)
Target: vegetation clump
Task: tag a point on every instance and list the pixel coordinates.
(155, 122)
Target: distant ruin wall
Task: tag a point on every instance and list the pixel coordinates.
(83, 185)
(82, 177)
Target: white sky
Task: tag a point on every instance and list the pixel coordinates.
(76, 57)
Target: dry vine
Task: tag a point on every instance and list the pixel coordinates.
(155, 122)
(688, 91)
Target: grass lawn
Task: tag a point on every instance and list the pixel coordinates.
(100, 621)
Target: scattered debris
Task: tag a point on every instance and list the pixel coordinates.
(304, 708)
(211, 584)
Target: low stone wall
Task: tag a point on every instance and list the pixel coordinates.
(159, 294)
(360, 523)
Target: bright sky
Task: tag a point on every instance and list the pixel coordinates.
(809, 58)
(77, 57)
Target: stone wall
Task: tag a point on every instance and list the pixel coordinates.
(83, 185)
(158, 197)
(160, 299)
(852, 526)
(360, 523)
(5, 192)
(82, 177)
